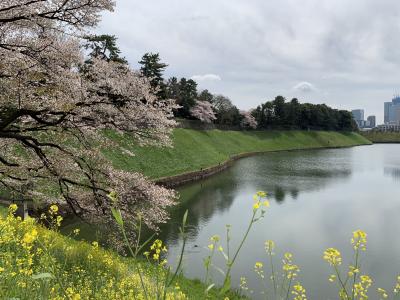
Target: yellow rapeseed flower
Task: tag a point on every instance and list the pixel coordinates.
(59, 220)
(215, 238)
(332, 256)
(12, 208)
(383, 293)
(30, 237)
(53, 209)
(299, 292)
(269, 246)
(261, 194)
(359, 240)
(332, 278)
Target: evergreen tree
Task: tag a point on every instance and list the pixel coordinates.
(205, 95)
(153, 68)
(104, 47)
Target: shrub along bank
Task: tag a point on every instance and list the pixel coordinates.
(194, 150)
(382, 137)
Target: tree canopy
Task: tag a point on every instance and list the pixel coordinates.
(153, 68)
(104, 47)
(293, 115)
(54, 108)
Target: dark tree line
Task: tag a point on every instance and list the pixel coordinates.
(294, 115)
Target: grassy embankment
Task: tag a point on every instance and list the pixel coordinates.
(194, 150)
(382, 137)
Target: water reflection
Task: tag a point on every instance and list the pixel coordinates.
(318, 199)
(283, 174)
(393, 172)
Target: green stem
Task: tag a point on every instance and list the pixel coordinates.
(230, 264)
(272, 272)
(355, 274)
(136, 264)
(341, 282)
(53, 271)
(289, 286)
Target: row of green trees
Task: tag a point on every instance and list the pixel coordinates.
(294, 115)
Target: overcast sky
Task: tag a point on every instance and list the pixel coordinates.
(339, 52)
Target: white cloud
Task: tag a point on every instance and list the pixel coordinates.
(206, 77)
(304, 87)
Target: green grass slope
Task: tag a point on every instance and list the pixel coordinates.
(194, 149)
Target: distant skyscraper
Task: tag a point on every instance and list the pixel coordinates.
(396, 100)
(372, 121)
(392, 111)
(387, 106)
(358, 114)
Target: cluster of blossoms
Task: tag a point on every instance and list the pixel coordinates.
(361, 288)
(55, 106)
(290, 270)
(155, 251)
(269, 247)
(203, 111)
(382, 293)
(258, 268)
(248, 121)
(52, 218)
(397, 287)
(299, 292)
(260, 201)
(359, 240)
(333, 257)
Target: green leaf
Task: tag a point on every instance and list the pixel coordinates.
(209, 288)
(117, 216)
(42, 276)
(227, 286)
(185, 218)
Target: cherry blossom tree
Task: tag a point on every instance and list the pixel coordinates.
(248, 121)
(54, 108)
(203, 110)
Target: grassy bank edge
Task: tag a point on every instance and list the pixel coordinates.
(195, 152)
(379, 137)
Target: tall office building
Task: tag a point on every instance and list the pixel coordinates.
(392, 111)
(358, 114)
(371, 121)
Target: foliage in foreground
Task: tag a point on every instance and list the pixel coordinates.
(38, 263)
